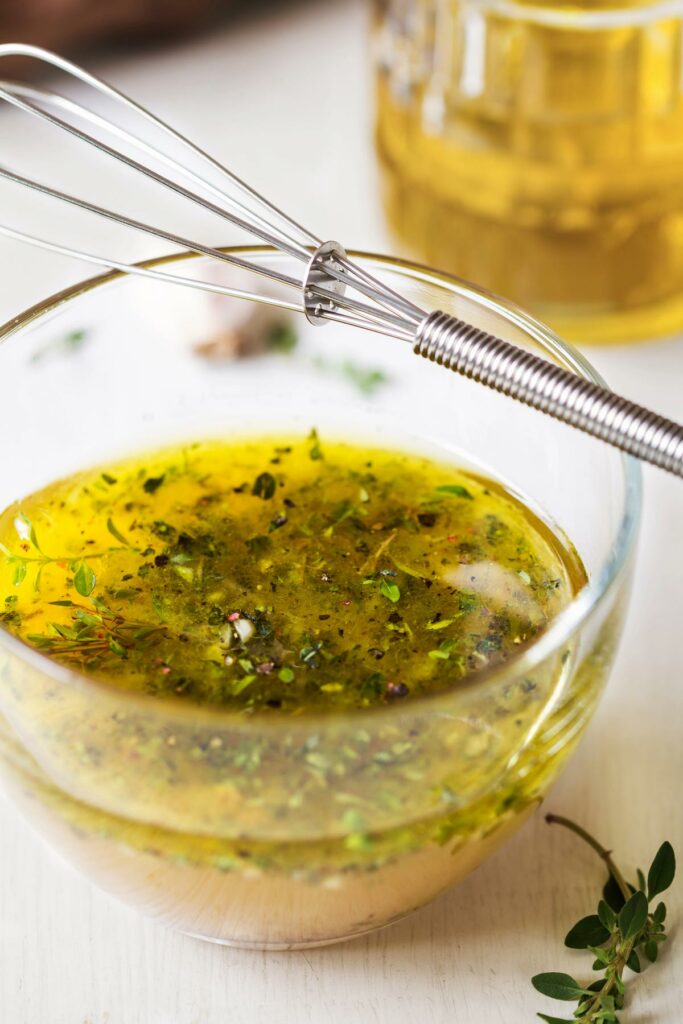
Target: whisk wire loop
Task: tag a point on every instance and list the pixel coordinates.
(329, 285)
(105, 89)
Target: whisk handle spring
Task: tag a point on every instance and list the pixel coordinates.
(459, 346)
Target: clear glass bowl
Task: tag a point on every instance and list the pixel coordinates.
(284, 832)
(546, 128)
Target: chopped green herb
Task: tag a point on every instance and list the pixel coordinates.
(457, 489)
(366, 379)
(242, 684)
(153, 483)
(210, 590)
(315, 451)
(390, 591)
(282, 338)
(116, 533)
(72, 341)
(264, 486)
(444, 650)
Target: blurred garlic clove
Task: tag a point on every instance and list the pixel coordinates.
(241, 330)
(244, 629)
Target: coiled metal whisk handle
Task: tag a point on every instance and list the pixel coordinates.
(567, 397)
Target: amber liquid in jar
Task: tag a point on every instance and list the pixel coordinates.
(537, 149)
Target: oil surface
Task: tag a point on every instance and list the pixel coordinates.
(280, 574)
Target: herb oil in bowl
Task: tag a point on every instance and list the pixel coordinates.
(282, 581)
(277, 691)
(281, 575)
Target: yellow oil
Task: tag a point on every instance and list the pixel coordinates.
(223, 807)
(538, 151)
(280, 574)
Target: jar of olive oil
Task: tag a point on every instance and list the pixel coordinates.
(536, 147)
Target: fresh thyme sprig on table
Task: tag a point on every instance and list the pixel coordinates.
(623, 927)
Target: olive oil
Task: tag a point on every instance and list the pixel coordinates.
(550, 130)
(280, 574)
(246, 749)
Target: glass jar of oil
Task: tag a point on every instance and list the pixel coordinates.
(536, 147)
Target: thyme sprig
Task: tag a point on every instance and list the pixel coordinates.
(624, 928)
(94, 632)
(84, 576)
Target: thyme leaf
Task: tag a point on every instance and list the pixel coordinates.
(84, 579)
(390, 591)
(455, 489)
(264, 486)
(116, 533)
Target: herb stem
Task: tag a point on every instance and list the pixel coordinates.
(616, 972)
(371, 562)
(602, 852)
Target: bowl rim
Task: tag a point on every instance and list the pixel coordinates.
(558, 634)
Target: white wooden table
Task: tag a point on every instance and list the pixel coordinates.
(71, 955)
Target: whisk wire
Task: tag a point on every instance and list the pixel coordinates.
(339, 270)
(86, 114)
(265, 236)
(344, 272)
(330, 286)
(105, 89)
(383, 295)
(137, 225)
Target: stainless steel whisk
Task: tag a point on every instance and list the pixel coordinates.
(330, 286)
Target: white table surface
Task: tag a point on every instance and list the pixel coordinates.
(259, 93)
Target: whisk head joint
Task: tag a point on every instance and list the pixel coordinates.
(316, 306)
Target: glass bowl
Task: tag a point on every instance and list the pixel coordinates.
(278, 833)
(552, 129)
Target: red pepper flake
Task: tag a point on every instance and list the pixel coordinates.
(346, 603)
(233, 616)
(165, 670)
(452, 537)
